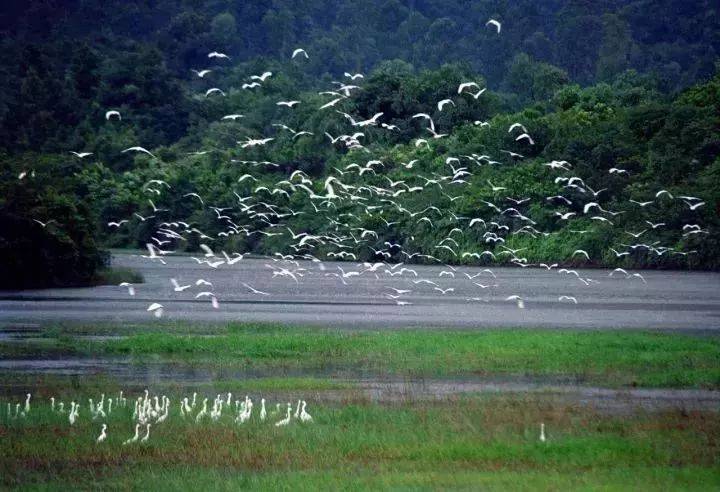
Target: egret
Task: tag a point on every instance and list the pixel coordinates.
(286, 420)
(214, 90)
(103, 434)
(81, 155)
(443, 103)
(304, 416)
(156, 309)
(493, 22)
(261, 78)
(135, 437)
(139, 149)
(201, 73)
(147, 434)
(130, 287)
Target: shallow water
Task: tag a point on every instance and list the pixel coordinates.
(367, 386)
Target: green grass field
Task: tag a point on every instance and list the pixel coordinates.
(466, 442)
(472, 441)
(608, 358)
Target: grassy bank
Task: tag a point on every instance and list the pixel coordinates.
(610, 358)
(116, 275)
(468, 443)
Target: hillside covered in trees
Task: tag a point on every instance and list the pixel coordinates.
(627, 94)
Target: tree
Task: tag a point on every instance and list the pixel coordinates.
(615, 49)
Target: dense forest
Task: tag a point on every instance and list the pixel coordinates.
(626, 93)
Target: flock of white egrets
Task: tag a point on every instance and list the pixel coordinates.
(150, 410)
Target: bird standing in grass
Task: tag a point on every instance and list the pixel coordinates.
(304, 416)
(103, 434)
(286, 420)
(135, 437)
(147, 434)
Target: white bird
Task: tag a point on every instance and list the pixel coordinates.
(289, 104)
(527, 137)
(286, 420)
(201, 73)
(103, 434)
(565, 216)
(618, 254)
(542, 433)
(519, 300)
(147, 434)
(213, 91)
(331, 104)
(130, 288)
(254, 290)
(232, 117)
(208, 251)
(111, 113)
(304, 416)
(215, 54)
(156, 309)
(177, 287)
(232, 261)
(466, 85)
(694, 206)
(135, 437)
(262, 77)
(655, 226)
(580, 252)
(637, 275)
(636, 234)
(299, 51)
(139, 149)
(44, 224)
(493, 22)
(354, 76)
(567, 298)
(81, 155)
(495, 188)
(443, 103)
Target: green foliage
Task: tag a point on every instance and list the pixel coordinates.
(63, 251)
(141, 67)
(136, 55)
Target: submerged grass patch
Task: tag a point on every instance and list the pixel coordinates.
(616, 358)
